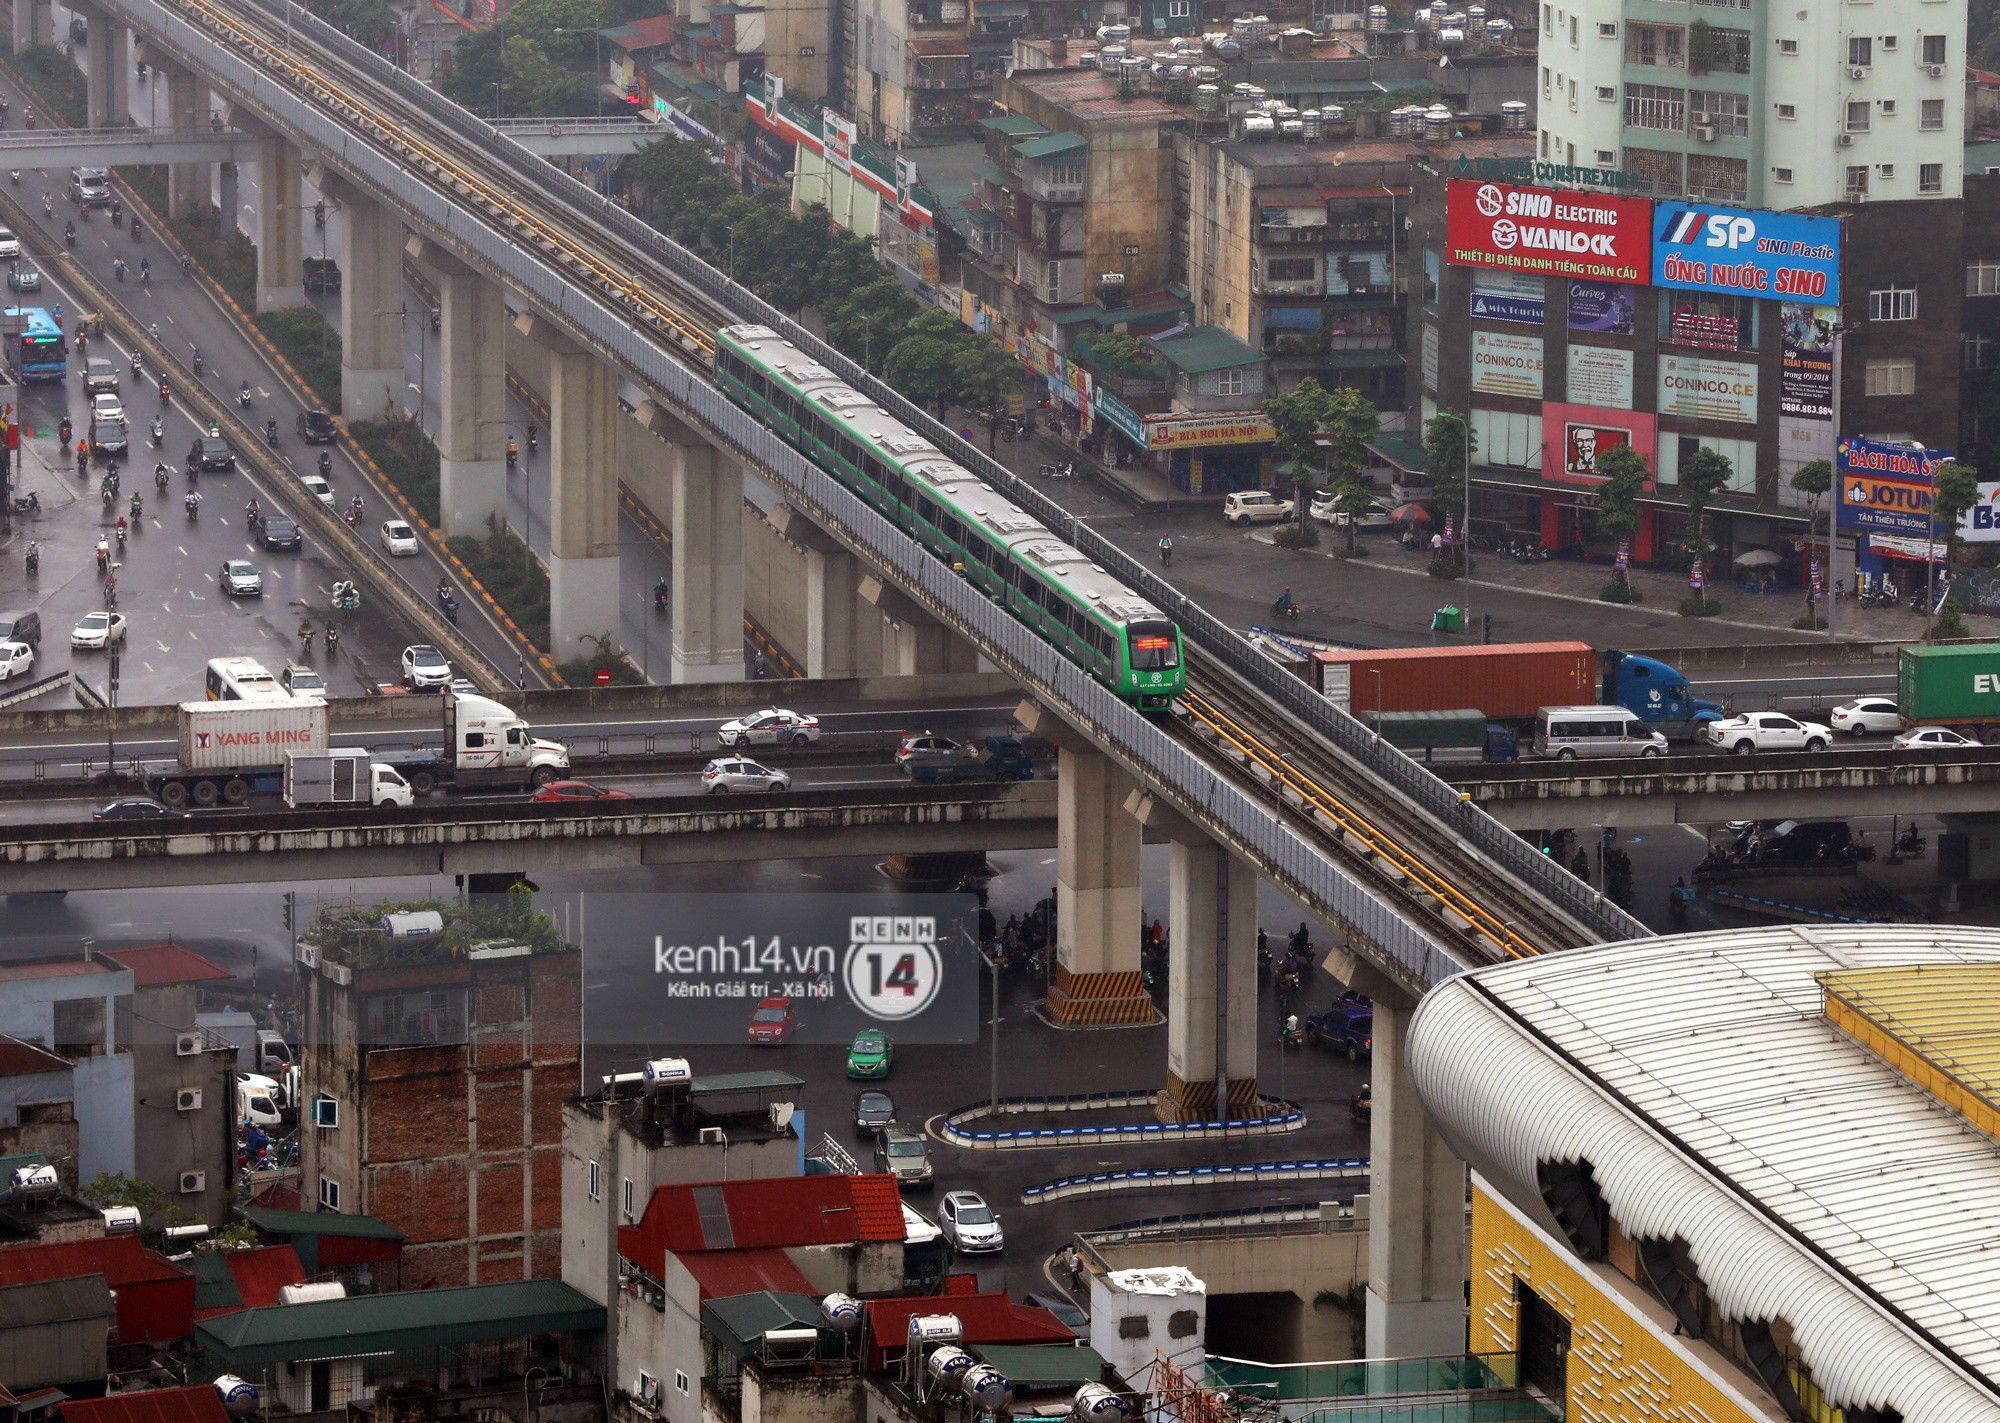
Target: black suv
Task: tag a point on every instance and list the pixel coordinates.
(277, 531)
(212, 452)
(316, 427)
(320, 274)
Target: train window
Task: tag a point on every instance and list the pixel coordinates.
(1153, 647)
(926, 510)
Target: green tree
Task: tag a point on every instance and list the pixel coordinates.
(1122, 352)
(850, 264)
(1296, 420)
(923, 366)
(1704, 474)
(1813, 479)
(1449, 445)
(115, 1188)
(1625, 475)
(867, 323)
(1954, 493)
(987, 375)
(540, 59)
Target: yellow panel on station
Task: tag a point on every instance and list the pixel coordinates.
(1933, 1023)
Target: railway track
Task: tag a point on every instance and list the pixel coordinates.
(1415, 863)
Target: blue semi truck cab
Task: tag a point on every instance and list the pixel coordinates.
(1657, 693)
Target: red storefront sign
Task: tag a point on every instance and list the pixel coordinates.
(1541, 230)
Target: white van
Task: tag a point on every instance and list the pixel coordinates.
(1566, 733)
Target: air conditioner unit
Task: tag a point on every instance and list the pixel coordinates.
(340, 973)
(1705, 133)
(193, 1182)
(187, 1044)
(1847, 140)
(712, 1136)
(309, 955)
(188, 1099)
(1937, 71)
(1857, 73)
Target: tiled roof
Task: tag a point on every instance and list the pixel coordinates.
(985, 1319)
(19, 1059)
(198, 1403)
(121, 1259)
(649, 33)
(749, 1215)
(163, 964)
(878, 1207)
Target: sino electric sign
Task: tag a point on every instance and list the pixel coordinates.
(1538, 230)
(1750, 253)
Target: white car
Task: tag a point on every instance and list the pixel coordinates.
(1376, 516)
(1931, 738)
(425, 666)
(730, 773)
(106, 405)
(400, 539)
(318, 488)
(15, 659)
(774, 726)
(10, 245)
(1257, 506)
(1866, 714)
(969, 1223)
(240, 579)
(925, 743)
(1767, 731)
(98, 629)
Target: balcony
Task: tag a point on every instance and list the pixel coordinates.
(1053, 183)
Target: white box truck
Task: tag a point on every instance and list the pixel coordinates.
(342, 777)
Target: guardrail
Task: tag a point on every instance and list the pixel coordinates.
(1082, 701)
(1258, 1222)
(1174, 1178)
(40, 687)
(1291, 1119)
(1785, 906)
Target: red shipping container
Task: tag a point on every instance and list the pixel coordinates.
(1508, 681)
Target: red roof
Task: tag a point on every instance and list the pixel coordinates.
(199, 1403)
(986, 1319)
(19, 1059)
(63, 968)
(752, 1215)
(724, 1273)
(164, 964)
(262, 1272)
(649, 33)
(121, 1259)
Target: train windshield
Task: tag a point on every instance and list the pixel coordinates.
(1155, 648)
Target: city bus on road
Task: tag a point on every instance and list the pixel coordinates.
(243, 679)
(36, 344)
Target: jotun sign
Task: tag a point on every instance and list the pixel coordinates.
(1558, 234)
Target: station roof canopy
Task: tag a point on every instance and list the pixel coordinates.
(1791, 1102)
(383, 1323)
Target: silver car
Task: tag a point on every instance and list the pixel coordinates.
(733, 773)
(240, 579)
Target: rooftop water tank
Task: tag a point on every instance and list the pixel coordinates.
(414, 924)
(1207, 99)
(36, 1183)
(987, 1387)
(239, 1396)
(1378, 17)
(1437, 124)
(1095, 1403)
(312, 1293)
(1292, 130)
(120, 1220)
(840, 1313)
(664, 1072)
(1258, 126)
(948, 1363)
(1451, 37)
(1311, 119)
(1514, 115)
(934, 1329)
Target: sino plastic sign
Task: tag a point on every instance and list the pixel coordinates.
(1750, 253)
(1561, 234)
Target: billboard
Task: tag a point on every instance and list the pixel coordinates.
(1574, 437)
(1600, 306)
(1517, 229)
(1696, 388)
(1884, 488)
(1806, 388)
(1508, 296)
(1601, 375)
(1697, 247)
(1981, 524)
(1505, 364)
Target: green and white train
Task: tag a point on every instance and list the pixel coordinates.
(1096, 621)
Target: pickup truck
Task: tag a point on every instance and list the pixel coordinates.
(1000, 758)
(1345, 1027)
(1766, 731)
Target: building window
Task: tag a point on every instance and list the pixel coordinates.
(1655, 106)
(1659, 45)
(1857, 183)
(1974, 352)
(1892, 304)
(1655, 170)
(596, 1182)
(1545, 83)
(1888, 44)
(682, 1383)
(1788, 46)
(1573, 38)
(79, 1027)
(1934, 49)
(1718, 179)
(1898, 377)
(1291, 269)
(1229, 382)
(329, 1193)
(1860, 51)
(1888, 107)
(1548, 19)
(1885, 170)
(1063, 175)
(1724, 52)
(1788, 111)
(1781, 175)
(1180, 9)
(1932, 116)
(1727, 114)
(1607, 30)
(325, 1113)
(1982, 279)
(625, 1199)
(1858, 111)
(1930, 177)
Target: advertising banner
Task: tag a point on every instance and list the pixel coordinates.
(1560, 234)
(1601, 375)
(1118, 414)
(1981, 524)
(1430, 356)
(1508, 296)
(1704, 328)
(1574, 437)
(837, 135)
(1507, 365)
(1171, 433)
(1599, 306)
(1806, 389)
(1701, 248)
(1884, 488)
(1696, 388)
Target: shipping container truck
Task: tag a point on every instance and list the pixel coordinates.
(486, 747)
(342, 777)
(1509, 682)
(1953, 684)
(228, 751)
(1459, 734)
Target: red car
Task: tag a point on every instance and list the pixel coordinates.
(579, 790)
(771, 1024)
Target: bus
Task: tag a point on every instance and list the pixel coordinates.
(37, 344)
(243, 679)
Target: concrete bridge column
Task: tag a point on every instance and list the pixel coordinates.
(187, 112)
(1417, 1248)
(914, 643)
(708, 564)
(1212, 964)
(34, 24)
(107, 72)
(279, 281)
(372, 383)
(1096, 982)
(585, 435)
(471, 382)
(836, 617)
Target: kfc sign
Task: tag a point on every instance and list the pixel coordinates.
(1578, 437)
(1557, 234)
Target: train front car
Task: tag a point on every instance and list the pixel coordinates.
(1153, 674)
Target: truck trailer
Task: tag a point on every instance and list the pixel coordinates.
(1954, 684)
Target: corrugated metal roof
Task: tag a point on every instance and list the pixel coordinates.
(740, 1322)
(277, 1222)
(55, 1301)
(1715, 1102)
(19, 1059)
(1941, 1014)
(161, 964)
(122, 1260)
(985, 1319)
(1045, 1365)
(377, 1324)
(239, 1279)
(197, 1403)
(749, 1215)
(1207, 348)
(723, 1273)
(1051, 145)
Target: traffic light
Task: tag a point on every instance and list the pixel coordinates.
(291, 911)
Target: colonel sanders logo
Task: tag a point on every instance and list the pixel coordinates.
(1585, 445)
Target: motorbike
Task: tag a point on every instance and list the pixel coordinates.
(325, 464)
(1679, 897)
(156, 432)
(1291, 1038)
(138, 231)
(534, 439)
(197, 360)
(661, 598)
(271, 433)
(120, 532)
(137, 508)
(1360, 1106)
(193, 506)
(449, 606)
(111, 593)
(69, 234)
(353, 517)
(117, 271)
(1908, 846)
(305, 641)
(346, 597)
(513, 452)
(160, 478)
(332, 641)
(319, 214)
(1286, 605)
(29, 503)
(117, 215)
(243, 395)
(250, 516)
(34, 560)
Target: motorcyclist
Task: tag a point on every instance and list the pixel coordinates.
(319, 213)
(243, 393)
(1286, 603)
(444, 592)
(660, 593)
(191, 502)
(166, 393)
(145, 269)
(271, 430)
(534, 437)
(117, 269)
(250, 511)
(197, 360)
(160, 475)
(65, 430)
(1166, 550)
(325, 463)
(157, 430)
(103, 555)
(138, 507)
(120, 528)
